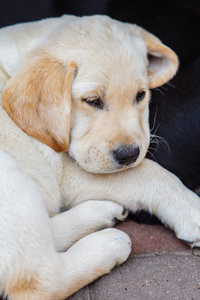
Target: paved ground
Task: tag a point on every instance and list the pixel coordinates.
(160, 267)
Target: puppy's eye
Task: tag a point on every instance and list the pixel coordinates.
(96, 102)
(140, 96)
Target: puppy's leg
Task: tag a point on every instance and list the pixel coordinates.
(150, 187)
(91, 257)
(83, 219)
(30, 267)
(27, 251)
(164, 195)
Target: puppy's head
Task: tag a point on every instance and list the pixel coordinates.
(87, 91)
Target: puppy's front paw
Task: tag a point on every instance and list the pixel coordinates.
(98, 253)
(108, 248)
(187, 226)
(91, 216)
(189, 232)
(119, 244)
(110, 212)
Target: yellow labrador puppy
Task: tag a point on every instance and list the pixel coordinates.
(73, 134)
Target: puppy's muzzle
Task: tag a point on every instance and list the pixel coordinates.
(126, 154)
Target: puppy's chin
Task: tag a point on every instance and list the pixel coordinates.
(96, 161)
(101, 170)
(108, 168)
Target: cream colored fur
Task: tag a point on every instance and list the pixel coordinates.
(63, 62)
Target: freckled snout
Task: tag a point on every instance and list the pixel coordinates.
(126, 154)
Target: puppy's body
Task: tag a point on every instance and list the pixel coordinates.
(68, 88)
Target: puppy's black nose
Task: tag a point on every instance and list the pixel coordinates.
(126, 155)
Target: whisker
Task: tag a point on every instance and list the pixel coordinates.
(171, 84)
(156, 139)
(158, 89)
(156, 142)
(164, 88)
(153, 141)
(154, 120)
(152, 153)
(156, 129)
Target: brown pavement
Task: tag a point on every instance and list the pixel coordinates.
(160, 267)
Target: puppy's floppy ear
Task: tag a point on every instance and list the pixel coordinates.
(38, 99)
(162, 61)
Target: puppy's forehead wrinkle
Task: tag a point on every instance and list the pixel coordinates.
(86, 88)
(118, 73)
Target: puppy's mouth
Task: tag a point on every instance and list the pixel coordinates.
(108, 169)
(118, 159)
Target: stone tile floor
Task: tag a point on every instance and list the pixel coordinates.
(160, 267)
